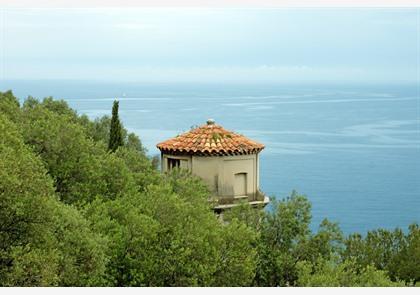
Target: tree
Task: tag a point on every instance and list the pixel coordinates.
(407, 262)
(282, 231)
(59, 107)
(249, 215)
(43, 242)
(81, 168)
(133, 142)
(9, 106)
(238, 255)
(326, 243)
(157, 239)
(140, 167)
(115, 134)
(328, 273)
(26, 234)
(391, 251)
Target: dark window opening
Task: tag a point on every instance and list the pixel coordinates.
(173, 163)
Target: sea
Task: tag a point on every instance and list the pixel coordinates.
(353, 150)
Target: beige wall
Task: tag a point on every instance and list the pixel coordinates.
(219, 172)
(235, 165)
(208, 169)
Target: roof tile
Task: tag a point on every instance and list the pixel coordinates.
(210, 139)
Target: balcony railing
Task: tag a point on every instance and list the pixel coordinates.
(222, 202)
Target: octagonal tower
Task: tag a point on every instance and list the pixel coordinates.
(227, 162)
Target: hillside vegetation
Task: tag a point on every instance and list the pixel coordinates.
(73, 213)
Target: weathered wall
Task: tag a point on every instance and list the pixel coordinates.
(218, 172)
(236, 165)
(208, 169)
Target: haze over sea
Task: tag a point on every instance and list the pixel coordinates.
(354, 150)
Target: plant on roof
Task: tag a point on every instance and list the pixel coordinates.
(215, 136)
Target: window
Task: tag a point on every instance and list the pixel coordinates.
(173, 163)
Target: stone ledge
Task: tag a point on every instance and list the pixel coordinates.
(252, 203)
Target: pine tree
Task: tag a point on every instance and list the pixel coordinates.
(115, 134)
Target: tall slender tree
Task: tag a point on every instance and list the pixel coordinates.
(115, 134)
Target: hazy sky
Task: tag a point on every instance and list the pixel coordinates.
(211, 45)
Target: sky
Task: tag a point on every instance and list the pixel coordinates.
(212, 45)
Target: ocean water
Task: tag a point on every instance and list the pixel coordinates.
(353, 150)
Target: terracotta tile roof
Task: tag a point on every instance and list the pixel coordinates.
(210, 139)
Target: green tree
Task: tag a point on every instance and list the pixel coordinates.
(26, 235)
(251, 216)
(157, 239)
(130, 238)
(9, 106)
(81, 168)
(326, 243)
(406, 264)
(115, 134)
(99, 129)
(327, 273)
(59, 107)
(237, 255)
(42, 241)
(133, 142)
(391, 251)
(167, 235)
(140, 166)
(283, 229)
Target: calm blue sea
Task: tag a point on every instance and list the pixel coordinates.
(354, 150)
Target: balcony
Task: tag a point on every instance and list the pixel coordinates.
(258, 199)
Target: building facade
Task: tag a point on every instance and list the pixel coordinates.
(227, 162)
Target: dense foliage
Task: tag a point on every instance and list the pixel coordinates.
(74, 214)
